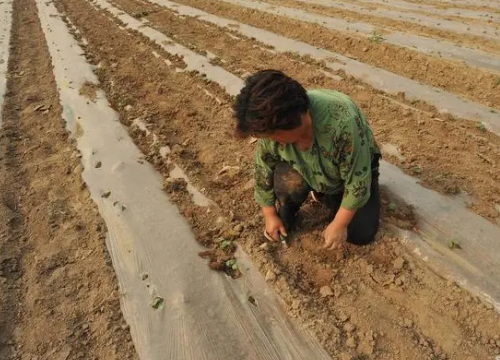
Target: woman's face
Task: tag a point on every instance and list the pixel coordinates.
(284, 137)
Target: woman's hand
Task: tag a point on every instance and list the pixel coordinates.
(335, 236)
(275, 227)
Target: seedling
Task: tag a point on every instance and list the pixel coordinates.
(481, 127)
(157, 303)
(232, 264)
(225, 244)
(376, 37)
(454, 245)
(417, 169)
(392, 207)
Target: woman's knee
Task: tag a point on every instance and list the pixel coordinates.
(362, 236)
(289, 185)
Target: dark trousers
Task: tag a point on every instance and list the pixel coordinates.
(292, 190)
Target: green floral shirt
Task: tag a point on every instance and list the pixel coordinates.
(339, 159)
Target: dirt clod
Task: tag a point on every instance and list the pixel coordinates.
(325, 291)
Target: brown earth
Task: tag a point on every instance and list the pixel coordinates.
(59, 298)
(418, 135)
(462, 19)
(473, 41)
(381, 303)
(449, 75)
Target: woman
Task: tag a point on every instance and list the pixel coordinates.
(310, 141)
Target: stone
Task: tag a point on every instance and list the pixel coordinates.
(177, 149)
(349, 327)
(238, 229)
(351, 342)
(369, 269)
(249, 185)
(343, 317)
(296, 304)
(408, 323)
(399, 263)
(325, 291)
(270, 275)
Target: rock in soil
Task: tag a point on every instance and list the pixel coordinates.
(326, 291)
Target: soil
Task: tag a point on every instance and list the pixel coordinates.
(419, 135)
(89, 90)
(466, 81)
(59, 298)
(399, 25)
(376, 302)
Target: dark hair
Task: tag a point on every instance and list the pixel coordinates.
(269, 101)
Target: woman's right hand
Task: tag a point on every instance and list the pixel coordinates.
(275, 227)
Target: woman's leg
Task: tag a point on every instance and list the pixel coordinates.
(365, 224)
(291, 191)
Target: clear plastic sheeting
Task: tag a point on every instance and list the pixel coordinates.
(434, 10)
(176, 307)
(5, 26)
(487, 32)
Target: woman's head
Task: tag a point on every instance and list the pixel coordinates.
(271, 105)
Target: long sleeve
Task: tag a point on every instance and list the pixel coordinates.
(354, 157)
(265, 163)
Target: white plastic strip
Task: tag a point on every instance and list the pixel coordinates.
(433, 10)
(457, 3)
(198, 314)
(378, 78)
(487, 32)
(473, 57)
(441, 218)
(5, 27)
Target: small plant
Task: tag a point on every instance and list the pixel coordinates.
(225, 244)
(232, 264)
(481, 127)
(392, 207)
(417, 169)
(454, 245)
(294, 54)
(376, 37)
(497, 82)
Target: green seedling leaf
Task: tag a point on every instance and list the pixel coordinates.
(481, 127)
(225, 244)
(376, 37)
(392, 207)
(417, 170)
(157, 303)
(231, 263)
(454, 245)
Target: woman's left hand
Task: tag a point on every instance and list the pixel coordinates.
(335, 236)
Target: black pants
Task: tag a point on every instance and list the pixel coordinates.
(292, 190)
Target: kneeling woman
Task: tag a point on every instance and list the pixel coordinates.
(310, 141)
